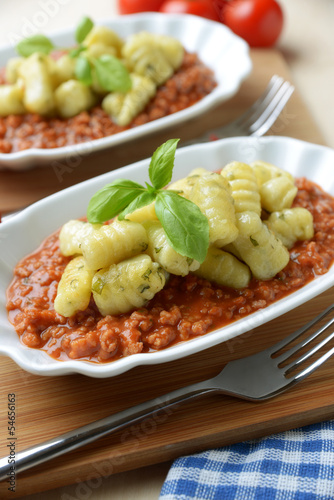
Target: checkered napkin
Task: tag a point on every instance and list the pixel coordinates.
(293, 465)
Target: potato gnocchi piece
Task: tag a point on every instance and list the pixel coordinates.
(224, 269)
(277, 194)
(153, 55)
(144, 213)
(64, 69)
(12, 69)
(172, 49)
(99, 49)
(160, 251)
(186, 184)
(258, 247)
(72, 234)
(72, 97)
(38, 85)
(74, 289)
(244, 187)
(276, 186)
(211, 193)
(291, 225)
(123, 107)
(105, 36)
(127, 285)
(11, 100)
(265, 171)
(112, 243)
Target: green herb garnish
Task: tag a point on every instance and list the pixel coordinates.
(111, 74)
(109, 71)
(254, 242)
(35, 43)
(186, 228)
(83, 70)
(83, 28)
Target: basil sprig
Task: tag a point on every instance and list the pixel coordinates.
(109, 71)
(186, 228)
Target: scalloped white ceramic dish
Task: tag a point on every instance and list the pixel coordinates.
(24, 232)
(217, 46)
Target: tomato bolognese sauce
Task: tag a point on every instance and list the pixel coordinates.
(185, 308)
(188, 85)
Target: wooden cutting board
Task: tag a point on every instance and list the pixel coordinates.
(48, 406)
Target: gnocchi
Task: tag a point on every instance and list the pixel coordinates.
(160, 251)
(59, 85)
(74, 289)
(127, 262)
(291, 225)
(258, 247)
(224, 269)
(112, 243)
(211, 193)
(127, 285)
(123, 107)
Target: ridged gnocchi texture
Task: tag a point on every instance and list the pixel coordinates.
(74, 288)
(123, 107)
(114, 242)
(291, 225)
(154, 56)
(224, 269)
(211, 193)
(258, 247)
(127, 285)
(276, 186)
(244, 187)
(72, 234)
(160, 251)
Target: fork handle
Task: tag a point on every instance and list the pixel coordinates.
(81, 436)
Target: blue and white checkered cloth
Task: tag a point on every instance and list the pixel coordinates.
(292, 465)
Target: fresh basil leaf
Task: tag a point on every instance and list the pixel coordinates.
(77, 51)
(83, 28)
(162, 163)
(112, 199)
(141, 201)
(111, 74)
(83, 70)
(35, 43)
(186, 228)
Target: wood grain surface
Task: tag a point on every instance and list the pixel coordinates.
(48, 406)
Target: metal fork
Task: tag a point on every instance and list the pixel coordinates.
(258, 119)
(253, 378)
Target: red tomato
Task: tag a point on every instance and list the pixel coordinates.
(203, 8)
(259, 22)
(132, 6)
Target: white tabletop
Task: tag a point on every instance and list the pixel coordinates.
(307, 43)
